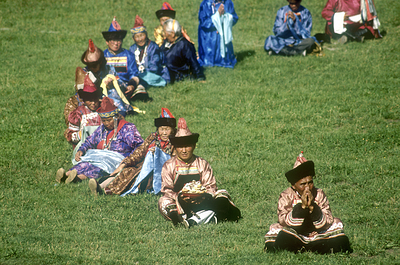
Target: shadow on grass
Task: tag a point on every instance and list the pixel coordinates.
(240, 56)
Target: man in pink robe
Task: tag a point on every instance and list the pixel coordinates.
(305, 218)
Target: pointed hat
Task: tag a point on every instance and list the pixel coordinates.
(166, 119)
(114, 32)
(107, 108)
(184, 136)
(92, 55)
(301, 169)
(89, 90)
(166, 11)
(138, 27)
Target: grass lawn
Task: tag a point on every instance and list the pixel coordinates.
(342, 110)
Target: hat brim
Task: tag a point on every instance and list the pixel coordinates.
(90, 64)
(171, 122)
(303, 170)
(165, 13)
(184, 140)
(88, 96)
(118, 35)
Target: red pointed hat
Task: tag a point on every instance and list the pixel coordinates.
(301, 169)
(89, 90)
(107, 108)
(114, 32)
(166, 119)
(92, 55)
(184, 136)
(138, 27)
(166, 11)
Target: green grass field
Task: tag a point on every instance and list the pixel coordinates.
(342, 110)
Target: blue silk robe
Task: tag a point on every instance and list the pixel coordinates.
(283, 36)
(122, 65)
(181, 61)
(209, 38)
(154, 63)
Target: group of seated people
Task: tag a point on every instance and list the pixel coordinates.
(347, 20)
(112, 155)
(117, 161)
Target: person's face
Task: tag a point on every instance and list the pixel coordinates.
(108, 123)
(165, 132)
(294, 4)
(114, 45)
(170, 36)
(185, 153)
(92, 104)
(304, 184)
(140, 38)
(163, 19)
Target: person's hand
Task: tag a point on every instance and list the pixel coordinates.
(108, 82)
(292, 16)
(78, 156)
(152, 149)
(119, 168)
(221, 9)
(306, 199)
(129, 89)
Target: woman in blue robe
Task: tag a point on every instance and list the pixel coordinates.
(216, 19)
(148, 57)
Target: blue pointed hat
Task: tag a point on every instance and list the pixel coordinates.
(114, 32)
(166, 119)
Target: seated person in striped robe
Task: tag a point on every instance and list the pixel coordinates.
(305, 218)
(190, 193)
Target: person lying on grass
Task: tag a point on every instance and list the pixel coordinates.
(103, 151)
(180, 55)
(305, 218)
(141, 170)
(190, 194)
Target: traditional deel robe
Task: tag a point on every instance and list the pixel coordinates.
(159, 35)
(123, 67)
(79, 118)
(181, 61)
(299, 230)
(176, 173)
(352, 8)
(215, 34)
(143, 168)
(102, 153)
(283, 35)
(150, 64)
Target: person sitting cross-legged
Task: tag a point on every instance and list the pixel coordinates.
(190, 193)
(292, 31)
(305, 218)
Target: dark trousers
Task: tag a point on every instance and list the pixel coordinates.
(306, 44)
(285, 241)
